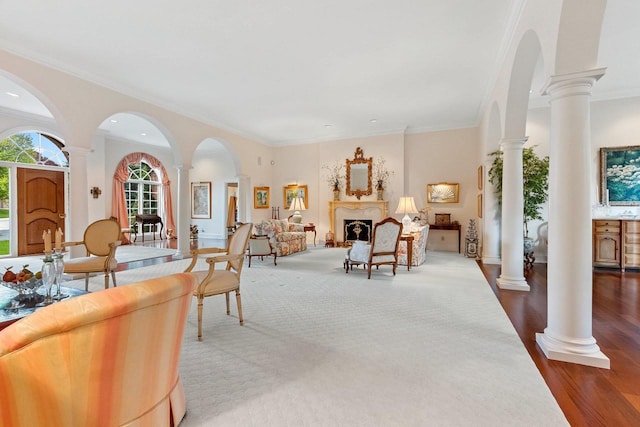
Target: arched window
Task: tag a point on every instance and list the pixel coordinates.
(143, 191)
(33, 148)
(145, 171)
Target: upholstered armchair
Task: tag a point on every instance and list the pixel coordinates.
(107, 358)
(101, 238)
(217, 282)
(260, 246)
(383, 249)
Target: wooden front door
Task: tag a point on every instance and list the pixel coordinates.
(40, 207)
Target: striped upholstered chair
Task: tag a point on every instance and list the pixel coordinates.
(108, 358)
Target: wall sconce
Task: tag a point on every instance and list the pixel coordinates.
(95, 192)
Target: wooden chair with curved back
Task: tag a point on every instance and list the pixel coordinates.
(383, 249)
(216, 282)
(101, 238)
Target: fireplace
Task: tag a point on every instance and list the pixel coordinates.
(357, 229)
(339, 211)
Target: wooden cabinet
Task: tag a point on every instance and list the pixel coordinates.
(630, 244)
(606, 243)
(616, 243)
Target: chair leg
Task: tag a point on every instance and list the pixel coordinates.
(200, 301)
(249, 256)
(86, 282)
(239, 302)
(106, 280)
(113, 277)
(227, 297)
(369, 277)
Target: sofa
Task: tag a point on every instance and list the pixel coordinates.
(286, 237)
(418, 249)
(106, 358)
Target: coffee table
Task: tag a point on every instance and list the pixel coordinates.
(8, 317)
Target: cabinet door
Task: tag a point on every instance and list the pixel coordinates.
(606, 249)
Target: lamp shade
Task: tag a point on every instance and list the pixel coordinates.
(297, 205)
(406, 206)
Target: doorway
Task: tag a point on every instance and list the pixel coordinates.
(40, 207)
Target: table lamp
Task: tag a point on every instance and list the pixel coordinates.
(297, 205)
(406, 206)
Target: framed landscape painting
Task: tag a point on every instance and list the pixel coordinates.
(620, 175)
(291, 191)
(201, 200)
(260, 197)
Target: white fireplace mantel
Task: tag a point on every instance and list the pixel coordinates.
(375, 210)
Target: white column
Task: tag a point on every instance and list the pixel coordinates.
(244, 198)
(490, 221)
(184, 212)
(78, 216)
(568, 335)
(512, 276)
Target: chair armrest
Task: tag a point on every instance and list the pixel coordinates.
(65, 244)
(222, 258)
(202, 251)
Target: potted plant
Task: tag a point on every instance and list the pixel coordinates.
(335, 175)
(535, 175)
(381, 176)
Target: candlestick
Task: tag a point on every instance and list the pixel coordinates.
(58, 246)
(46, 236)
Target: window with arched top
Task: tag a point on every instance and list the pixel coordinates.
(143, 192)
(33, 148)
(141, 185)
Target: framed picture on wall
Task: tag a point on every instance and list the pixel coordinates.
(619, 171)
(443, 192)
(201, 200)
(291, 191)
(260, 197)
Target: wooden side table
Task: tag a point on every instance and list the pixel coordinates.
(311, 227)
(409, 239)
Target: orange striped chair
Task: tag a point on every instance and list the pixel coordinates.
(109, 358)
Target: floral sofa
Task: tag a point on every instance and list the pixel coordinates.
(419, 248)
(286, 237)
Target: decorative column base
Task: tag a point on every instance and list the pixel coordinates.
(583, 352)
(513, 283)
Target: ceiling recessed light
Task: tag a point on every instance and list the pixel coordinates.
(373, 120)
(113, 121)
(15, 95)
(327, 126)
(143, 134)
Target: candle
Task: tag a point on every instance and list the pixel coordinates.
(46, 236)
(58, 245)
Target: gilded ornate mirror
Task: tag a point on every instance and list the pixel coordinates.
(359, 175)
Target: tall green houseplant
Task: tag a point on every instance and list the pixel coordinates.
(535, 175)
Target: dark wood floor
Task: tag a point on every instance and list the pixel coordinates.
(588, 396)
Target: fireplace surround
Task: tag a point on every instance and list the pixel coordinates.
(374, 210)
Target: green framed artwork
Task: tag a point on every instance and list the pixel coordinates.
(620, 175)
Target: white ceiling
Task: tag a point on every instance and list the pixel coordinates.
(292, 71)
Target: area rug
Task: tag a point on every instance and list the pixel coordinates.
(430, 346)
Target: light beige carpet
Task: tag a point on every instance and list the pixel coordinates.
(428, 347)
